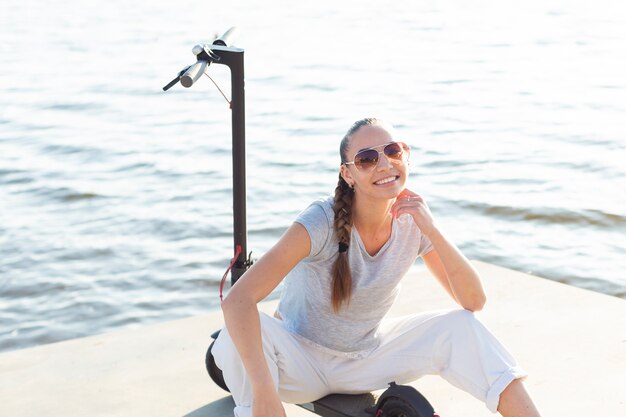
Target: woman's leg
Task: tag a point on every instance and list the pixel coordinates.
(515, 401)
(453, 344)
(294, 367)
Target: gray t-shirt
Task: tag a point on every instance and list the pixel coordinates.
(305, 304)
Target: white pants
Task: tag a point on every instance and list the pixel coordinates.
(453, 344)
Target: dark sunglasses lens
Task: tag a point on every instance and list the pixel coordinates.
(366, 159)
(393, 150)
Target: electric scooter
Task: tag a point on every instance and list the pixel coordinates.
(395, 401)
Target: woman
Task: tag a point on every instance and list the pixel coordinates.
(343, 259)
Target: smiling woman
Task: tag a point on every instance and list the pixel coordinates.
(342, 261)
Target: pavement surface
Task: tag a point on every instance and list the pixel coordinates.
(571, 341)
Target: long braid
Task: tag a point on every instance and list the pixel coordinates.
(344, 197)
(342, 277)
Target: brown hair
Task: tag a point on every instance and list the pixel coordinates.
(344, 195)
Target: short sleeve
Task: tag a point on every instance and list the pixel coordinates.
(316, 222)
(425, 245)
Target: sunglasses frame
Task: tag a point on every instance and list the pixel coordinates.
(405, 150)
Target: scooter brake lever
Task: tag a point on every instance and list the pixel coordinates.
(177, 79)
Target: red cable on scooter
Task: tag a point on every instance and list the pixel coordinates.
(237, 252)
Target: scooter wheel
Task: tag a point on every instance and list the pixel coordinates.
(397, 407)
(214, 372)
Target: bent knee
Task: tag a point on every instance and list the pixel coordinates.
(460, 315)
(461, 321)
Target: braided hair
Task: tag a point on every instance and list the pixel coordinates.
(344, 197)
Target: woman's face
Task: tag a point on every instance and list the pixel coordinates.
(387, 178)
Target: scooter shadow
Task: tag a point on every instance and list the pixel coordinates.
(222, 408)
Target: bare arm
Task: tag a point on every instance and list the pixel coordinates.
(454, 272)
(240, 306)
(445, 262)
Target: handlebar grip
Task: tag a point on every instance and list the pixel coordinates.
(227, 38)
(193, 73)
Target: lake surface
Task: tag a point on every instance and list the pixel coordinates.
(115, 197)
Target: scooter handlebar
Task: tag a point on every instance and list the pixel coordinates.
(193, 73)
(227, 38)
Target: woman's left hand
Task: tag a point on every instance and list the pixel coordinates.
(411, 203)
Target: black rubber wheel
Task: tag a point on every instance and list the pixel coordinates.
(214, 372)
(397, 407)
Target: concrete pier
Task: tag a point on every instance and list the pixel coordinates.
(571, 341)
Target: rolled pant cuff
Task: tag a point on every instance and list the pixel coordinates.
(493, 395)
(241, 411)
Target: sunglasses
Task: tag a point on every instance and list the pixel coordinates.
(366, 159)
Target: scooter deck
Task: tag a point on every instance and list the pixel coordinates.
(343, 405)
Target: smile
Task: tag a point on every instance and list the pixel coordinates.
(386, 180)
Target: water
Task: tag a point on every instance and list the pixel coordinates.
(115, 197)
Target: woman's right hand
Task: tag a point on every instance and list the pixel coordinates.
(266, 403)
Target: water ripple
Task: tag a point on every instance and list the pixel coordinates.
(79, 196)
(549, 215)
